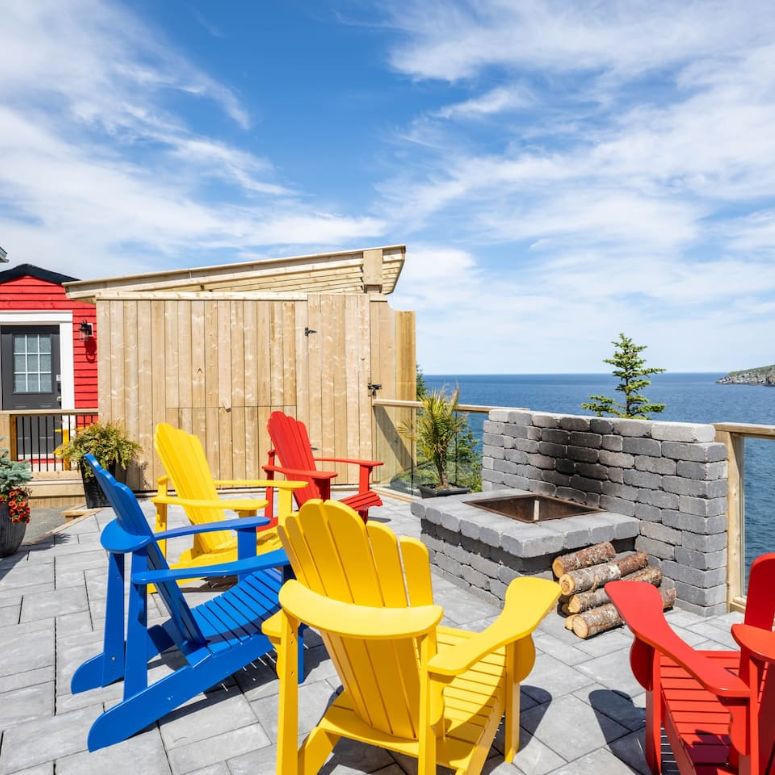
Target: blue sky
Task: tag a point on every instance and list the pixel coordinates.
(560, 171)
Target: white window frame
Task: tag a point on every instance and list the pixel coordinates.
(64, 320)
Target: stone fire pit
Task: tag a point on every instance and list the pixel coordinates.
(484, 550)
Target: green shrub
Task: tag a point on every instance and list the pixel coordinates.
(108, 442)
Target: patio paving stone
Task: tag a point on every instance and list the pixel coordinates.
(582, 710)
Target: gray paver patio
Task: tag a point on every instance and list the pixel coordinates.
(582, 711)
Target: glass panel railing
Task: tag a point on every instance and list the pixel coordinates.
(409, 466)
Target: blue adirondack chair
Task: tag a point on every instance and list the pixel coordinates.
(217, 638)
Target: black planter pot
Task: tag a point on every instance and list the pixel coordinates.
(432, 491)
(95, 498)
(11, 533)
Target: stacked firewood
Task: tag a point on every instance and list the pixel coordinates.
(582, 576)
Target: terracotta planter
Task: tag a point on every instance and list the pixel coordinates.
(11, 533)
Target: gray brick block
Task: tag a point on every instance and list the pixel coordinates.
(678, 431)
(515, 431)
(571, 494)
(492, 439)
(642, 479)
(488, 426)
(565, 466)
(581, 439)
(618, 459)
(545, 420)
(505, 466)
(497, 588)
(555, 436)
(695, 488)
(519, 417)
(499, 415)
(648, 512)
(493, 451)
(552, 449)
(574, 423)
(592, 499)
(447, 563)
(616, 475)
(655, 548)
(701, 596)
(527, 445)
(417, 508)
(704, 579)
(704, 507)
(699, 453)
(655, 465)
(592, 470)
(659, 498)
(534, 543)
(620, 491)
(704, 543)
(702, 610)
(694, 523)
(534, 433)
(487, 462)
(659, 532)
(474, 577)
(485, 566)
(701, 560)
(450, 522)
(624, 526)
(493, 478)
(584, 454)
(612, 443)
(558, 478)
(702, 471)
(541, 487)
(516, 482)
(587, 485)
(506, 574)
(619, 505)
(631, 427)
(642, 446)
(600, 425)
(515, 456)
(574, 531)
(541, 461)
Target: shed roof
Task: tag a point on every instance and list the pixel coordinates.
(30, 270)
(349, 271)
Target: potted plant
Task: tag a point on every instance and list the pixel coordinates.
(114, 450)
(436, 428)
(14, 503)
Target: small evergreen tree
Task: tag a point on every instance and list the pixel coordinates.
(421, 389)
(631, 370)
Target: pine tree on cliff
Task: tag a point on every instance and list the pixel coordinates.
(631, 370)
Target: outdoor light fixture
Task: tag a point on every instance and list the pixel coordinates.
(85, 330)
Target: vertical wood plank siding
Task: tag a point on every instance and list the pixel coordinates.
(218, 367)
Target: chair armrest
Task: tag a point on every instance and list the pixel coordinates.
(225, 504)
(322, 475)
(247, 523)
(527, 601)
(115, 539)
(640, 605)
(273, 559)
(353, 461)
(272, 627)
(759, 642)
(280, 484)
(357, 621)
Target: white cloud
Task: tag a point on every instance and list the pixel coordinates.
(100, 176)
(492, 102)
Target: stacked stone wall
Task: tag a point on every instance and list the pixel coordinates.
(671, 476)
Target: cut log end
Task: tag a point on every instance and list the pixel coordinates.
(584, 558)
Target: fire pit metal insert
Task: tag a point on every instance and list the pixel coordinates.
(532, 508)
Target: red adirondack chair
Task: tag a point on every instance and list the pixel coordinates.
(291, 445)
(717, 707)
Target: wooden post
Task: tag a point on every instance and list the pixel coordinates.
(735, 445)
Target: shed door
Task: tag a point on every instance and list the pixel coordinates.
(29, 366)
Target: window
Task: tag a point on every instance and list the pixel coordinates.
(32, 363)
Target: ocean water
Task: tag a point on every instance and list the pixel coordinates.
(688, 398)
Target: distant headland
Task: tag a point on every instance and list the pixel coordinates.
(764, 375)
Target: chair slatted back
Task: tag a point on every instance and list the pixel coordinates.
(335, 554)
(185, 462)
(133, 522)
(290, 441)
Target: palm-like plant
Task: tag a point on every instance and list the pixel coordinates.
(435, 430)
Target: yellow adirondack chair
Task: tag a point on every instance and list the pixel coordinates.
(409, 685)
(188, 471)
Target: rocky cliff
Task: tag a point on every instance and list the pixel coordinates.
(764, 375)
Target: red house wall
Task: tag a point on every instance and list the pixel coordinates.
(30, 294)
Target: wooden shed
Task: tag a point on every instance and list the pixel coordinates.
(215, 349)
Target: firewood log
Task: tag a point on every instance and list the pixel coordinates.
(592, 555)
(569, 621)
(583, 601)
(591, 578)
(606, 617)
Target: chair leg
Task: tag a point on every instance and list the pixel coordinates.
(315, 750)
(653, 750)
(363, 514)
